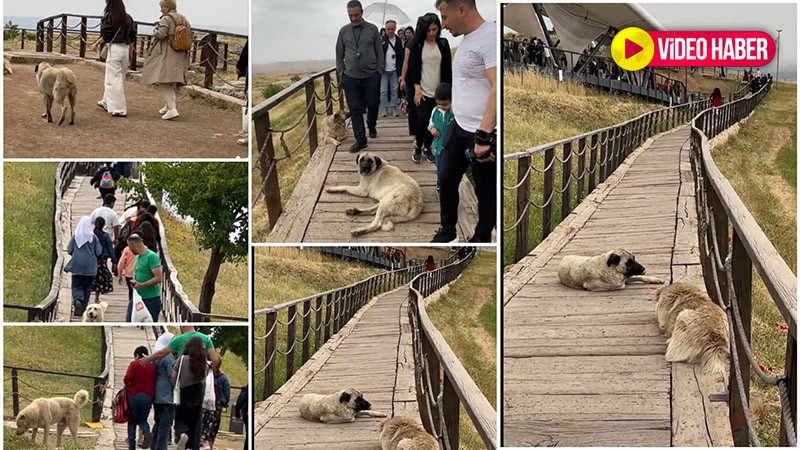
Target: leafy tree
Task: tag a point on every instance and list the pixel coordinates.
(214, 195)
(10, 31)
(295, 78)
(271, 89)
(233, 339)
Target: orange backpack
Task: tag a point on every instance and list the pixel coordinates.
(182, 39)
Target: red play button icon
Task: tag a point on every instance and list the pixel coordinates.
(632, 48)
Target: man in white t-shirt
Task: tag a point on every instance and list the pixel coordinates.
(471, 138)
(107, 212)
(393, 55)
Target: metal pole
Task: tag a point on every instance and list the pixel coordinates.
(778, 57)
(538, 10)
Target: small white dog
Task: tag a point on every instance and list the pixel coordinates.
(95, 312)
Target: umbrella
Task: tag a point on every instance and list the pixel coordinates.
(380, 12)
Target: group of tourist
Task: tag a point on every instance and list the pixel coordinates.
(451, 102)
(192, 420)
(130, 243)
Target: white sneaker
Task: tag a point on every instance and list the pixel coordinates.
(242, 141)
(163, 110)
(182, 442)
(171, 114)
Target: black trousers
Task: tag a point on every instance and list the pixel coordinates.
(363, 95)
(454, 165)
(423, 113)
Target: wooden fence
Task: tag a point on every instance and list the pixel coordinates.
(728, 261)
(440, 402)
(266, 135)
(607, 149)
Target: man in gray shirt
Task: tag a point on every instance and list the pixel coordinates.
(360, 62)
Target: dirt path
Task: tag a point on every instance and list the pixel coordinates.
(202, 130)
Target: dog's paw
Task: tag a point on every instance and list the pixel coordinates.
(356, 232)
(352, 211)
(44, 114)
(379, 414)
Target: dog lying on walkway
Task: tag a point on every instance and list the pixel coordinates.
(340, 407)
(607, 272)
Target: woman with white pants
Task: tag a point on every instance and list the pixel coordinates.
(164, 66)
(118, 33)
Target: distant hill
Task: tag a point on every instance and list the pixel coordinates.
(286, 67)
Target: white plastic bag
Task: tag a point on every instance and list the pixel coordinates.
(176, 391)
(140, 313)
(210, 398)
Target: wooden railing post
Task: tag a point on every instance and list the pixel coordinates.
(317, 323)
(97, 398)
(84, 38)
(581, 168)
(311, 114)
(432, 361)
(291, 338)
(593, 163)
(451, 406)
(22, 40)
(270, 353)
(330, 320)
(328, 90)
(523, 208)
(50, 26)
(306, 329)
(15, 391)
(721, 228)
(605, 140)
(547, 192)
(209, 55)
(566, 173)
(266, 158)
(225, 56)
(742, 277)
(63, 34)
(40, 36)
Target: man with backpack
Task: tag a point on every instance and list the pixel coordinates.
(105, 181)
(168, 63)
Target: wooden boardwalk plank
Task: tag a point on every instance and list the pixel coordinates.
(587, 369)
(372, 358)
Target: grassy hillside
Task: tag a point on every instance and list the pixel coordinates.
(538, 110)
(467, 317)
(191, 262)
(761, 164)
(27, 236)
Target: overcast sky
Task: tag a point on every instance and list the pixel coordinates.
(297, 30)
(199, 12)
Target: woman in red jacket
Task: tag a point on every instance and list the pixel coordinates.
(140, 385)
(716, 98)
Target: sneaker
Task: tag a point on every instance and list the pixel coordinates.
(119, 115)
(242, 141)
(475, 239)
(373, 133)
(182, 442)
(384, 113)
(417, 156)
(171, 114)
(163, 110)
(445, 236)
(147, 440)
(429, 155)
(355, 148)
(102, 105)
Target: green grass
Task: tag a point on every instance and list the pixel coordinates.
(13, 442)
(466, 317)
(538, 110)
(44, 348)
(191, 262)
(760, 164)
(28, 241)
(311, 272)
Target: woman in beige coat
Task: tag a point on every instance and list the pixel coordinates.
(166, 67)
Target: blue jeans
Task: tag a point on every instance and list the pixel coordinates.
(389, 85)
(153, 305)
(164, 415)
(138, 410)
(363, 95)
(81, 291)
(438, 159)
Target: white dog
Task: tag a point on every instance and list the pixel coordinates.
(43, 412)
(95, 312)
(340, 407)
(57, 84)
(607, 272)
(7, 67)
(405, 433)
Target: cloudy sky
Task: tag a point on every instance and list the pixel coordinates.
(297, 30)
(200, 13)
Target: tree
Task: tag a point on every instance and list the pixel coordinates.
(10, 31)
(215, 196)
(231, 338)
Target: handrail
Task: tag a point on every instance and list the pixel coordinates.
(439, 404)
(370, 258)
(606, 149)
(728, 262)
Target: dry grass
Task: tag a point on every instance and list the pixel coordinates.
(706, 80)
(466, 317)
(765, 150)
(538, 110)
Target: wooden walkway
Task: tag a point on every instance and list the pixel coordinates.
(372, 354)
(313, 215)
(588, 369)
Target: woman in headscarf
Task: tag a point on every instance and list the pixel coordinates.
(190, 373)
(164, 408)
(84, 248)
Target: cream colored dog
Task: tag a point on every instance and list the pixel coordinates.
(57, 84)
(607, 272)
(7, 67)
(43, 412)
(95, 312)
(405, 433)
(334, 128)
(341, 407)
(399, 196)
(695, 327)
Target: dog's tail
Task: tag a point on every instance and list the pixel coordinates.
(716, 360)
(81, 397)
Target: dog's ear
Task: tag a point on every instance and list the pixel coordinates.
(36, 68)
(613, 260)
(344, 398)
(378, 162)
(358, 159)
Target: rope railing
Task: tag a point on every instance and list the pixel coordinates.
(295, 330)
(728, 262)
(265, 158)
(443, 386)
(560, 179)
